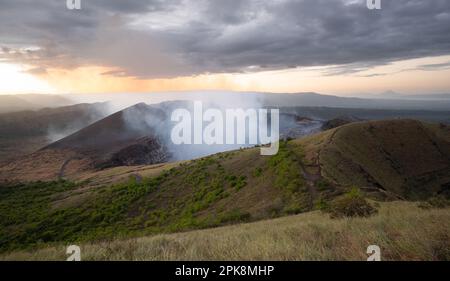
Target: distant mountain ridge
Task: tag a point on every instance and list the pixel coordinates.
(391, 95)
(13, 103)
(389, 101)
(319, 100)
(24, 132)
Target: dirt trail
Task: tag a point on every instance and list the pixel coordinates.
(64, 165)
(330, 140)
(311, 179)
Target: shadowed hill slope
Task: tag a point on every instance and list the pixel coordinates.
(107, 136)
(124, 138)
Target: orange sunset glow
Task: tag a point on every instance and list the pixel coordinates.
(402, 76)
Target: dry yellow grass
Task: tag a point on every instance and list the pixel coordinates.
(401, 229)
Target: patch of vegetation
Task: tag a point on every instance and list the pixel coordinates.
(323, 184)
(286, 167)
(352, 204)
(233, 216)
(29, 216)
(237, 182)
(298, 205)
(29, 219)
(24, 208)
(322, 205)
(287, 172)
(257, 172)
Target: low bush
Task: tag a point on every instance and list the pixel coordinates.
(234, 216)
(352, 204)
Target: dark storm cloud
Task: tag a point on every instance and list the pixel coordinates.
(129, 6)
(158, 38)
(435, 66)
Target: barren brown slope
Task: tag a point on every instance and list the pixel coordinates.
(105, 136)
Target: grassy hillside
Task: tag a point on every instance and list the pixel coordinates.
(224, 188)
(380, 158)
(402, 230)
(406, 158)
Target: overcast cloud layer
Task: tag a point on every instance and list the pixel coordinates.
(155, 38)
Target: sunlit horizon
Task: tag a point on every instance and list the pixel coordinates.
(405, 77)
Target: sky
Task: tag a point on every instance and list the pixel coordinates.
(326, 46)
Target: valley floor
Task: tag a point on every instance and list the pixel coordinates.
(401, 229)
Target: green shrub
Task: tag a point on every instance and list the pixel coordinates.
(352, 204)
(323, 184)
(234, 216)
(257, 172)
(322, 205)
